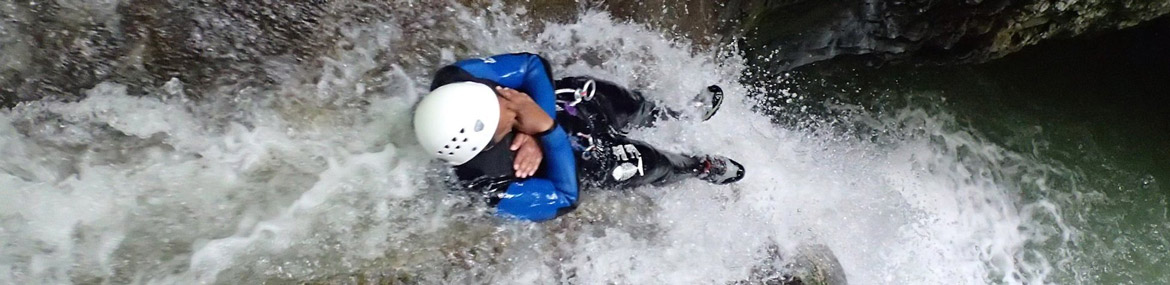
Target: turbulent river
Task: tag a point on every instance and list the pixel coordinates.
(306, 170)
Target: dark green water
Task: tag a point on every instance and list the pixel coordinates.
(1097, 105)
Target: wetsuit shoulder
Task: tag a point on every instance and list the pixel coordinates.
(527, 72)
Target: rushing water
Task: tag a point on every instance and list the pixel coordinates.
(298, 164)
(1092, 107)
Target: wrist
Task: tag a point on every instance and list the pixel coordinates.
(552, 125)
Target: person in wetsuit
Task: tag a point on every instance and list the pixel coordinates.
(487, 116)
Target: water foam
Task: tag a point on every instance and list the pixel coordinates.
(318, 178)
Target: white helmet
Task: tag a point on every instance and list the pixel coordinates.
(456, 121)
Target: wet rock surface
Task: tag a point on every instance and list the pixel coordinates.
(57, 49)
(199, 41)
(789, 33)
(794, 33)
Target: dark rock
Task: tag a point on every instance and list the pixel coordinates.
(794, 33)
(704, 22)
(203, 43)
(144, 43)
(813, 264)
(50, 50)
(790, 33)
(42, 38)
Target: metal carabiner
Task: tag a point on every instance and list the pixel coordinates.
(585, 93)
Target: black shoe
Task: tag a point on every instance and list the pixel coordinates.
(720, 170)
(710, 100)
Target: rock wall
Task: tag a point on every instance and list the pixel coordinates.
(55, 49)
(797, 32)
(790, 33)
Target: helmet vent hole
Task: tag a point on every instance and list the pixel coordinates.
(456, 147)
(453, 139)
(464, 139)
(447, 146)
(462, 130)
(450, 153)
(474, 148)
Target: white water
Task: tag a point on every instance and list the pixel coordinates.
(320, 178)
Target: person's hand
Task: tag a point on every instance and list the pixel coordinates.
(530, 118)
(528, 155)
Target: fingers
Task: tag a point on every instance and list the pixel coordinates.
(507, 93)
(520, 163)
(521, 171)
(512, 100)
(512, 95)
(532, 166)
(526, 163)
(519, 140)
(530, 117)
(527, 166)
(504, 93)
(528, 155)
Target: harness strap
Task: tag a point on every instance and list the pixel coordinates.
(585, 93)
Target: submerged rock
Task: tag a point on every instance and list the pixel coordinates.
(812, 264)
